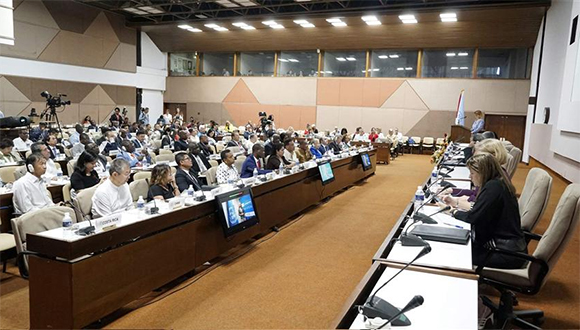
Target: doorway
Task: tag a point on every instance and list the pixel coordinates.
(510, 127)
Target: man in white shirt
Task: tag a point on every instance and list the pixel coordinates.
(253, 139)
(360, 135)
(226, 172)
(113, 195)
(168, 117)
(30, 193)
(22, 142)
(51, 170)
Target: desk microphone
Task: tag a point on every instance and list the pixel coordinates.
(415, 302)
(377, 307)
(89, 230)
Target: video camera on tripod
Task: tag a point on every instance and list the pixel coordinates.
(265, 119)
(54, 101)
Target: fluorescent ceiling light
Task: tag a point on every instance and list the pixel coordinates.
(450, 54)
(248, 27)
(373, 23)
(448, 15)
(409, 21)
(394, 56)
(383, 57)
(282, 60)
(239, 24)
(446, 20)
(408, 68)
(309, 25)
(195, 30)
(151, 10)
(351, 59)
(293, 60)
(269, 23)
(221, 29)
(341, 59)
(400, 69)
(301, 21)
(454, 68)
(406, 17)
(464, 68)
(463, 54)
(369, 18)
(185, 26)
(277, 26)
(211, 26)
(135, 11)
(333, 20)
(200, 16)
(339, 24)
(376, 70)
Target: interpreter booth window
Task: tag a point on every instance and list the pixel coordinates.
(256, 64)
(448, 63)
(504, 63)
(182, 64)
(298, 64)
(217, 64)
(393, 63)
(344, 64)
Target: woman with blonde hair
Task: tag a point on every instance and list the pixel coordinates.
(162, 183)
(478, 124)
(495, 217)
(495, 148)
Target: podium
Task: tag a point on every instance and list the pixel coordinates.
(461, 133)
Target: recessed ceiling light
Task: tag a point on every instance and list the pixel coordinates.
(239, 24)
(463, 54)
(333, 20)
(464, 68)
(269, 23)
(195, 30)
(400, 69)
(184, 26)
(376, 70)
(293, 60)
(221, 29)
(341, 59)
(309, 25)
(394, 56)
(301, 21)
(408, 68)
(446, 20)
(282, 60)
(211, 26)
(351, 59)
(408, 19)
(448, 17)
(277, 26)
(339, 24)
(373, 22)
(248, 27)
(454, 68)
(382, 57)
(369, 18)
(450, 54)
(200, 16)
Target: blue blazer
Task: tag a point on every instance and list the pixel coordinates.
(248, 168)
(315, 152)
(322, 149)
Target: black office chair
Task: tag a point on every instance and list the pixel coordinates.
(530, 279)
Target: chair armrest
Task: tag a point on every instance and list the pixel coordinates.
(532, 236)
(519, 255)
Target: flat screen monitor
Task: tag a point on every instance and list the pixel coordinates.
(236, 211)
(366, 161)
(326, 173)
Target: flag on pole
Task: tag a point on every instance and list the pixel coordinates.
(460, 113)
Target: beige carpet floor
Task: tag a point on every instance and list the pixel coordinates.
(301, 276)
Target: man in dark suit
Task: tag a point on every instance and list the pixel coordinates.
(335, 144)
(181, 144)
(204, 146)
(255, 161)
(55, 150)
(199, 162)
(323, 145)
(185, 175)
(139, 141)
(101, 160)
(235, 141)
(275, 138)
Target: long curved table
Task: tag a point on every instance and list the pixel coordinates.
(74, 283)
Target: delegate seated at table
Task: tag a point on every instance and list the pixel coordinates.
(8, 156)
(255, 161)
(185, 175)
(51, 172)
(303, 153)
(30, 193)
(162, 183)
(113, 195)
(226, 171)
(84, 175)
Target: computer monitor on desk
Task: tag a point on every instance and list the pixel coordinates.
(366, 161)
(236, 211)
(326, 173)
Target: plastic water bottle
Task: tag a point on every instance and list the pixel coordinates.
(190, 191)
(255, 172)
(434, 175)
(419, 198)
(281, 168)
(59, 174)
(140, 203)
(67, 224)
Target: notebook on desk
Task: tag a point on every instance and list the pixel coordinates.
(442, 234)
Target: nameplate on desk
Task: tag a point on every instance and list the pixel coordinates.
(109, 222)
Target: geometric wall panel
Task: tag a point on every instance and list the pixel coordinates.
(122, 58)
(71, 16)
(288, 90)
(405, 97)
(240, 94)
(34, 12)
(124, 34)
(30, 40)
(101, 28)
